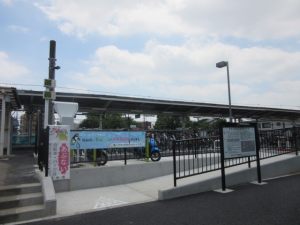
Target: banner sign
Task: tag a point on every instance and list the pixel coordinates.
(107, 139)
(239, 141)
(59, 152)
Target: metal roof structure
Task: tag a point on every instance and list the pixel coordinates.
(109, 103)
(13, 99)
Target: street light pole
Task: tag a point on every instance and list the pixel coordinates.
(229, 95)
(221, 65)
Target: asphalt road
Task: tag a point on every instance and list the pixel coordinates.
(277, 203)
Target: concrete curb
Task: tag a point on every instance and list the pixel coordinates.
(48, 193)
(268, 170)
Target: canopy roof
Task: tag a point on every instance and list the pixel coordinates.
(109, 103)
(12, 97)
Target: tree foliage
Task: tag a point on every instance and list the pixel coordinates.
(109, 121)
(167, 122)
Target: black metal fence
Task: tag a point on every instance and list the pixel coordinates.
(163, 138)
(192, 154)
(121, 154)
(202, 155)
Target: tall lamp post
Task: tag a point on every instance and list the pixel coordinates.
(221, 65)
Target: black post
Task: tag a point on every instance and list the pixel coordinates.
(297, 140)
(222, 159)
(52, 67)
(258, 168)
(223, 171)
(249, 162)
(174, 162)
(125, 156)
(295, 135)
(46, 152)
(257, 155)
(36, 133)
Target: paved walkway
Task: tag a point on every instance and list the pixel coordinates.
(17, 168)
(276, 203)
(74, 202)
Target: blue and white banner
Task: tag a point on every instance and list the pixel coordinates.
(107, 139)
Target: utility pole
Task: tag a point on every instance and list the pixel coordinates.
(49, 94)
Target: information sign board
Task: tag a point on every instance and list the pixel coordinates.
(239, 141)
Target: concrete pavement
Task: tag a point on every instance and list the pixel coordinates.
(17, 169)
(74, 202)
(276, 203)
(95, 199)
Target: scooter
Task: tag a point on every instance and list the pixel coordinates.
(154, 151)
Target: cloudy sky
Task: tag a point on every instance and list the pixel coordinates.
(163, 49)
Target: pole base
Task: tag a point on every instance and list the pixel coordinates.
(257, 183)
(227, 190)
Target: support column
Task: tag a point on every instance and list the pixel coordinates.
(29, 119)
(2, 125)
(9, 133)
(100, 122)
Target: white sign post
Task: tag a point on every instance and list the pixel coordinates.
(59, 152)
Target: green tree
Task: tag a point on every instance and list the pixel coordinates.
(217, 123)
(114, 121)
(201, 124)
(207, 124)
(167, 122)
(91, 121)
(109, 121)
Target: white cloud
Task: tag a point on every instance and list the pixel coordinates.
(12, 72)
(111, 18)
(18, 29)
(7, 2)
(255, 19)
(188, 72)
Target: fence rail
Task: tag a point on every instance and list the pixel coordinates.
(202, 155)
(121, 154)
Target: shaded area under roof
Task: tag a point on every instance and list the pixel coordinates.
(13, 100)
(109, 103)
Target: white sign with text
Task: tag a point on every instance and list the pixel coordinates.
(239, 141)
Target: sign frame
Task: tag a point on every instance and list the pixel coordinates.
(105, 139)
(236, 126)
(59, 152)
(236, 140)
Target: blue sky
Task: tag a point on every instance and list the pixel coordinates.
(165, 49)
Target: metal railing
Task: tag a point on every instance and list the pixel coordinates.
(91, 155)
(202, 155)
(163, 139)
